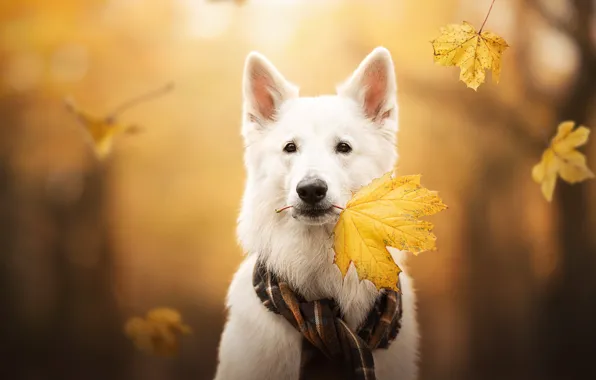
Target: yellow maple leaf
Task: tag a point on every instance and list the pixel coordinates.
(561, 159)
(384, 213)
(100, 131)
(158, 333)
(474, 52)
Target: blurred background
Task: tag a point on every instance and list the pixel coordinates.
(84, 245)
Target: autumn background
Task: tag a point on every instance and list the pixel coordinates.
(511, 292)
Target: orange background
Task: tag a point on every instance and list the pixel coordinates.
(510, 292)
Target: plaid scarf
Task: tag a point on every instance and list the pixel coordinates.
(323, 328)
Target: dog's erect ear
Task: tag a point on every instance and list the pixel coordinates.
(373, 86)
(265, 89)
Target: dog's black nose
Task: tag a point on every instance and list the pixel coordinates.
(311, 190)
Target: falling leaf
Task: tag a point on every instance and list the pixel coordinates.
(100, 131)
(561, 159)
(474, 52)
(158, 333)
(385, 213)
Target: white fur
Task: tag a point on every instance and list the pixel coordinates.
(256, 343)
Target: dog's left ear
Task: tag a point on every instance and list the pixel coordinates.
(373, 85)
(265, 89)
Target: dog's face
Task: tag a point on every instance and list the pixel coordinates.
(310, 154)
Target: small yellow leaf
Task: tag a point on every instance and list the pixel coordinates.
(384, 213)
(158, 333)
(561, 159)
(100, 131)
(460, 45)
(169, 317)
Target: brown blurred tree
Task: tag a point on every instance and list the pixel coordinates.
(517, 329)
(60, 319)
(567, 330)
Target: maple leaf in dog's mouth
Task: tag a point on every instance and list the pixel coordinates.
(385, 213)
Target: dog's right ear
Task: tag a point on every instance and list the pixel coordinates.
(373, 86)
(265, 89)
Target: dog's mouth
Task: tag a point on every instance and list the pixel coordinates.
(316, 215)
(313, 212)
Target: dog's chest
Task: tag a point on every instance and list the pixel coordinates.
(354, 297)
(306, 261)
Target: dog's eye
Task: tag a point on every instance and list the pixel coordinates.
(290, 147)
(343, 147)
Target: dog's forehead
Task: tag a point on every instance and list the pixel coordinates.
(322, 114)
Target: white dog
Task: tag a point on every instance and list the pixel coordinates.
(309, 153)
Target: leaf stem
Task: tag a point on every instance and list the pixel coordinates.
(486, 18)
(278, 210)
